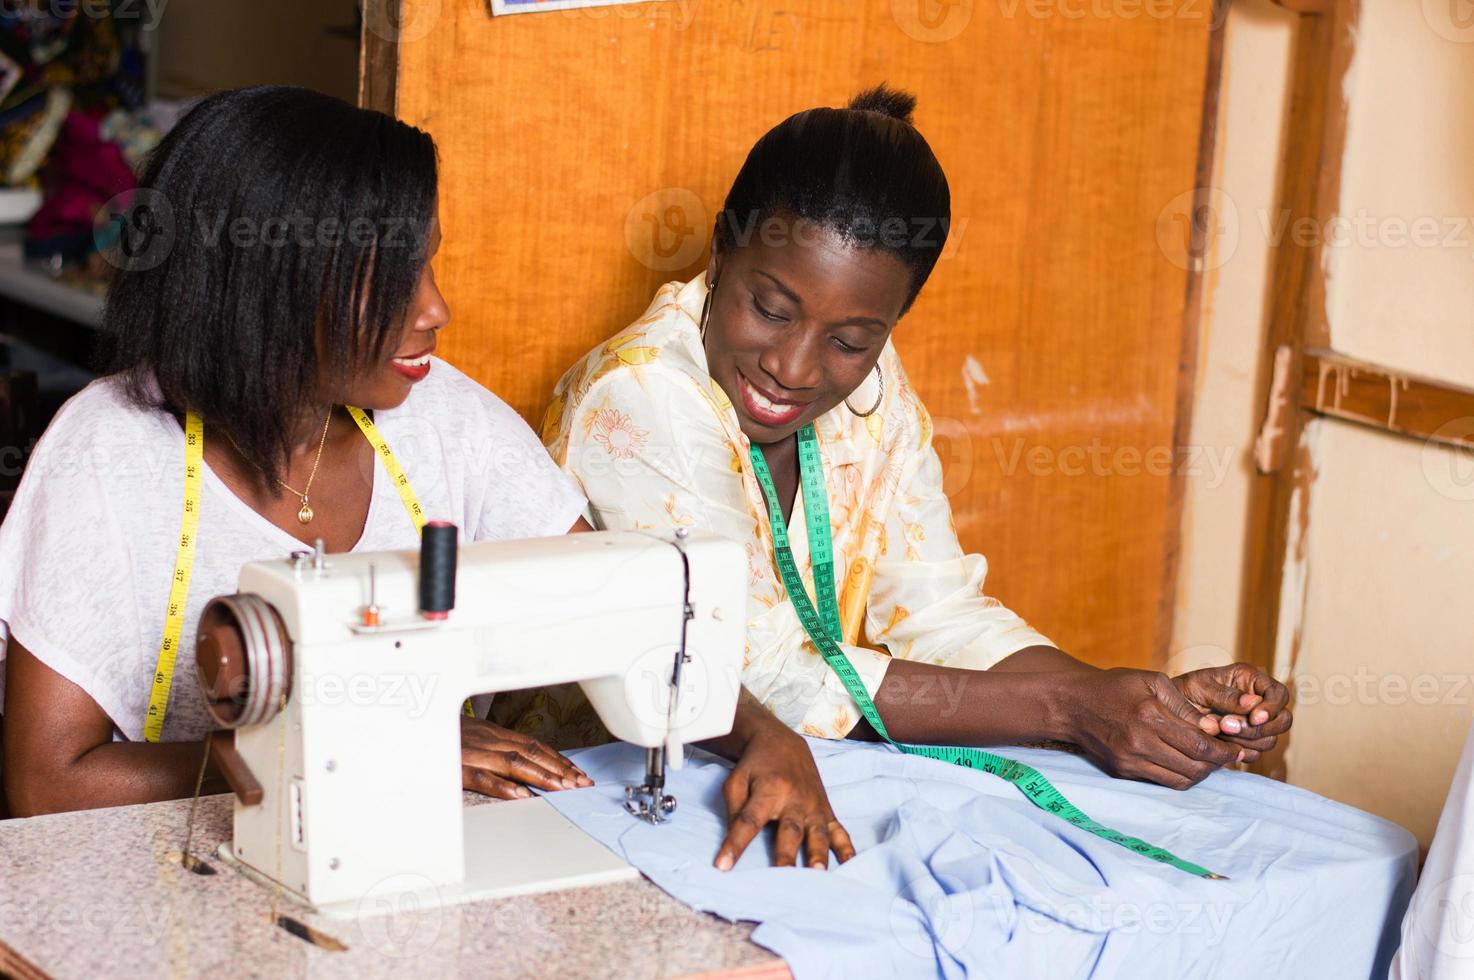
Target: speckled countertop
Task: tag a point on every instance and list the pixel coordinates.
(102, 893)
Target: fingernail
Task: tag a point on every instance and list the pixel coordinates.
(1260, 717)
(1232, 725)
(724, 862)
(818, 865)
(567, 783)
(523, 792)
(1241, 755)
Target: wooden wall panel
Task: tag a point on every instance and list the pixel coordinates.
(584, 154)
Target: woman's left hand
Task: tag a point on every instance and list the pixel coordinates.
(1245, 705)
(497, 761)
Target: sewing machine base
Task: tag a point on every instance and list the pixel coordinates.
(516, 847)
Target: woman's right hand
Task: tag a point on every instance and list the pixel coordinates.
(500, 762)
(1136, 724)
(775, 780)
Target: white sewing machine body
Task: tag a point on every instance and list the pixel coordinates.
(361, 769)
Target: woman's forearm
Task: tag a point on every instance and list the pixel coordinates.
(113, 774)
(1038, 659)
(1025, 702)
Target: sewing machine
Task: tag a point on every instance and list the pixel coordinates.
(345, 696)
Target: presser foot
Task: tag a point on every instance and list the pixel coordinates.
(647, 803)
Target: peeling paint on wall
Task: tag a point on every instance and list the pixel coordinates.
(973, 377)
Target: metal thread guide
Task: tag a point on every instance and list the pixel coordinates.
(649, 802)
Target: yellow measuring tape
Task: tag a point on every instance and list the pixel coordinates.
(194, 466)
(391, 465)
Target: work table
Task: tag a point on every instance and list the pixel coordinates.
(102, 892)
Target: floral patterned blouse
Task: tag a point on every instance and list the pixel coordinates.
(655, 444)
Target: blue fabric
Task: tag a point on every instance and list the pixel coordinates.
(958, 875)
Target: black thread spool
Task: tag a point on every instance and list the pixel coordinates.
(437, 569)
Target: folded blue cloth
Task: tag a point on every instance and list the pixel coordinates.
(957, 874)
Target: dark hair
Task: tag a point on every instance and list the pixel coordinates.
(271, 224)
(863, 172)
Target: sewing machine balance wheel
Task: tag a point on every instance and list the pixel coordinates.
(244, 658)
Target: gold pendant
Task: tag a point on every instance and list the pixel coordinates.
(305, 514)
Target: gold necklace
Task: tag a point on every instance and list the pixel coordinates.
(305, 515)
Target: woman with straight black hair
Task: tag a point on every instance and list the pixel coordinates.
(774, 370)
(275, 300)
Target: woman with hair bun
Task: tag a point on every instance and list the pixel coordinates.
(775, 370)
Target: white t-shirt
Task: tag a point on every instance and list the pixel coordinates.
(88, 547)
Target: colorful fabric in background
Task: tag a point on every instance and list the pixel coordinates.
(71, 78)
(85, 172)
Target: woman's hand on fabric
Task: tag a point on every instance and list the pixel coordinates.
(499, 762)
(1136, 724)
(1242, 704)
(775, 781)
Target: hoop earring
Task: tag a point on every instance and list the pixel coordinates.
(706, 311)
(879, 397)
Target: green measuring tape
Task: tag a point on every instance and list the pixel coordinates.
(823, 628)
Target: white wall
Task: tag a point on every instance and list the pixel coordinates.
(1384, 647)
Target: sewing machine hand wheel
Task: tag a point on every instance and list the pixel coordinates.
(245, 660)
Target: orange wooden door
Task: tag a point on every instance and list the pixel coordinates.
(585, 153)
